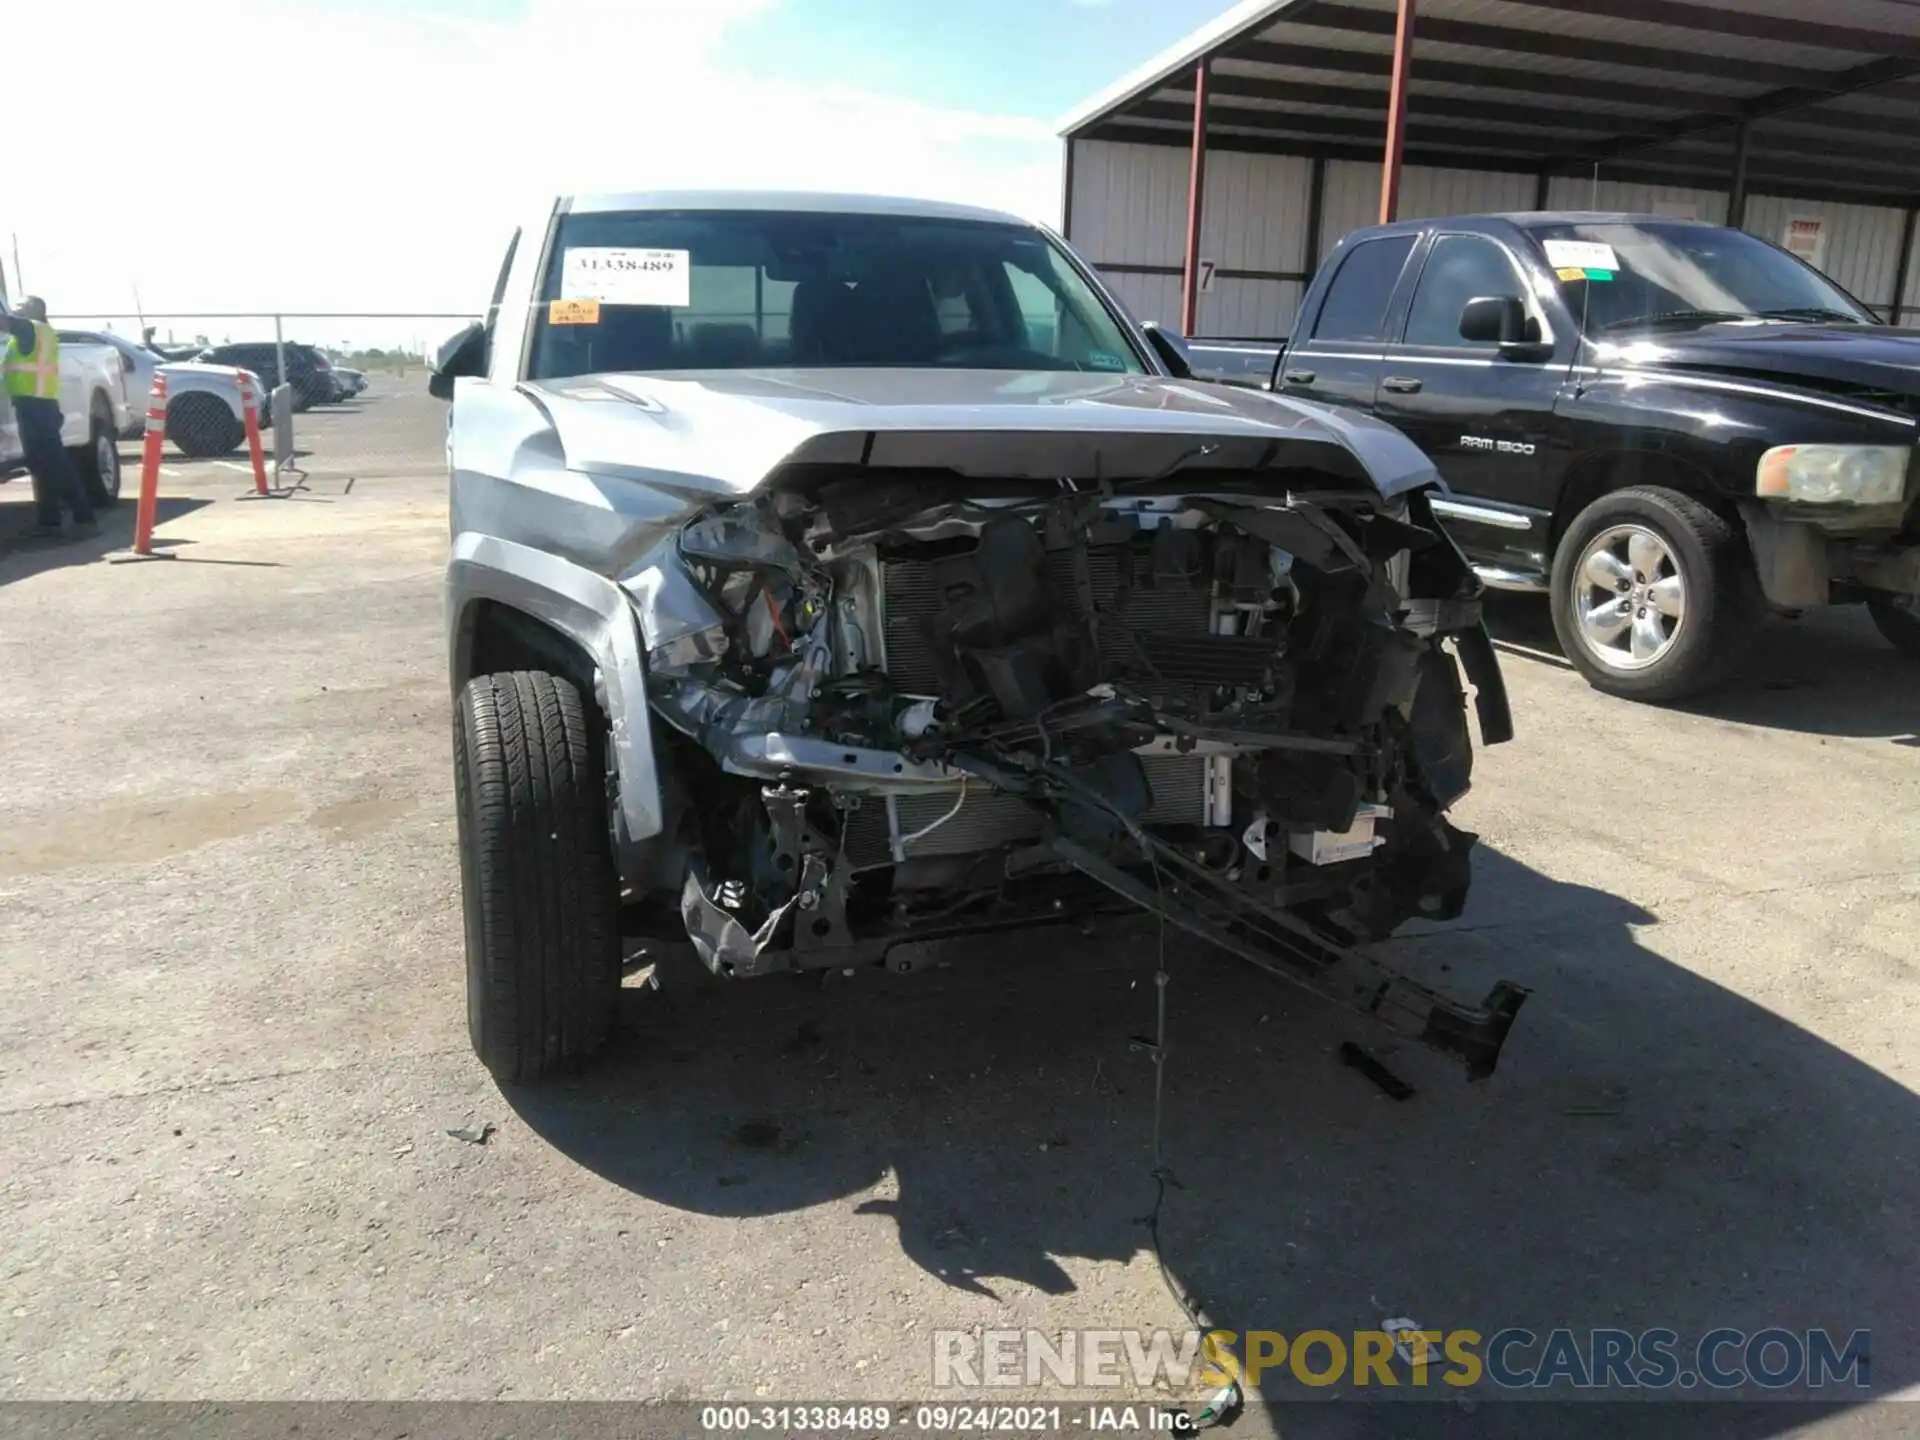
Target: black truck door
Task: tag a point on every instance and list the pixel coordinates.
(1335, 353)
(1480, 410)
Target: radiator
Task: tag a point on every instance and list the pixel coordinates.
(911, 593)
(1186, 790)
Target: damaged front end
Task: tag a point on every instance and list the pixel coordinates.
(889, 714)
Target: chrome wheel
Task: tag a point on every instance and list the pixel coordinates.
(1629, 598)
(106, 461)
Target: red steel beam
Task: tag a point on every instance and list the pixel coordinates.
(1196, 188)
(1396, 113)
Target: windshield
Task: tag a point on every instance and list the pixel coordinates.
(744, 289)
(1625, 275)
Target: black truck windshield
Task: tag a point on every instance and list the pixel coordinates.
(748, 289)
(1643, 275)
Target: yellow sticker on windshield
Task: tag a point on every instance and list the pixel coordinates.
(1571, 272)
(573, 312)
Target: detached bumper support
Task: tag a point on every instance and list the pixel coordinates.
(1286, 947)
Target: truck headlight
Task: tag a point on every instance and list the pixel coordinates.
(1834, 474)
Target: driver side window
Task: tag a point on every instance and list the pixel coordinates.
(1459, 268)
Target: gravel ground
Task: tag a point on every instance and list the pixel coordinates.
(233, 1040)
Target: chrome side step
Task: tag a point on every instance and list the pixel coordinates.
(1482, 514)
(1496, 578)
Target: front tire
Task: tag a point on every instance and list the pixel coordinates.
(202, 426)
(542, 901)
(1653, 597)
(99, 463)
(1898, 618)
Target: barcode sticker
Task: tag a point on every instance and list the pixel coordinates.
(618, 276)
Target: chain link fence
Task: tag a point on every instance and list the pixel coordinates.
(352, 388)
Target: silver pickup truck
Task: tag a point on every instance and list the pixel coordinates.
(830, 573)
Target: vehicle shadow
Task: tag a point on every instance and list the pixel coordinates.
(1828, 673)
(21, 557)
(1654, 1151)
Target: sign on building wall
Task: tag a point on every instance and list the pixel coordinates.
(1806, 236)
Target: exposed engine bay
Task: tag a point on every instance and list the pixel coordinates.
(890, 714)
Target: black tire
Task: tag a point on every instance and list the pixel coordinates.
(1722, 602)
(542, 902)
(99, 462)
(202, 426)
(1898, 618)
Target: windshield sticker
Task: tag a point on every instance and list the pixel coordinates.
(1105, 360)
(573, 312)
(1598, 274)
(1581, 255)
(619, 276)
(1571, 272)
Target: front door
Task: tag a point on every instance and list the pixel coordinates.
(1482, 415)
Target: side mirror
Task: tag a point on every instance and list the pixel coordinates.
(1171, 349)
(462, 354)
(1498, 320)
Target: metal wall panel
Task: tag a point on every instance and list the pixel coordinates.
(1353, 195)
(1150, 297)
(1255, 211)
(1129, 202)
(1352, 199)
(1247, 309)
(1129, 209)
(1577, 192)
(1130, 206)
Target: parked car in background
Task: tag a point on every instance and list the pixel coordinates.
(205, 414)
(308, 371)
(1668, 426)
(348, 381)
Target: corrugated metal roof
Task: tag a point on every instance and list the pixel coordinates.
(1647, 89)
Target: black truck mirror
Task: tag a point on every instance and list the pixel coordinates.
(1496, 320)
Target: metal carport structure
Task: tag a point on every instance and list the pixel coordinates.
(1228, 165)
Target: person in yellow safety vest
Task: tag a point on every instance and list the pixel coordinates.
(30, 370)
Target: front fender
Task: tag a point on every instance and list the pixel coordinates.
(594, 614)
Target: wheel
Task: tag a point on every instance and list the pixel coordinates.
(202, 425)
(99, 462)
(1898, 617)
(1653, 597)
(542, 902)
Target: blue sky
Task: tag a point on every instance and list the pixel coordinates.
(451, 121)
(1036, 58)
(1027, 57)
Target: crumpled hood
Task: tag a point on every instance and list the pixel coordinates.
(1876, 356)
(737, 427)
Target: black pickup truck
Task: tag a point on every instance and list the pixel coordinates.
(1669, 427)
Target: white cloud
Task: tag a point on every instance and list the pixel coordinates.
(252, 155)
